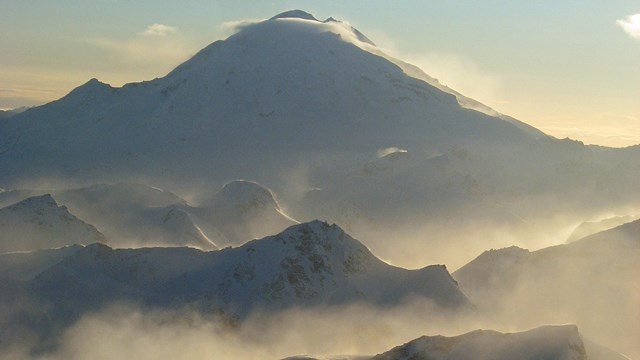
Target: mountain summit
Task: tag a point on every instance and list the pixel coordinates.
(304, 107)
(279, 92)
(295, 14)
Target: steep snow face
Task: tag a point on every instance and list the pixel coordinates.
(39, 222)
(307, 264)
(241, 211)
(317, 263)
(312, 77)
(547, 342)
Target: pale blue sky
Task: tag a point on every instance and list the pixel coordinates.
(564, 66)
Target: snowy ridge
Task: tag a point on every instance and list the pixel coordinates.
(136, 215)
(309, 264)
(38, 222)
(317, 263)
(546, 342)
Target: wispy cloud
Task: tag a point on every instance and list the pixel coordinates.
(233, 26)
(159, 30)
(137, 50)
(157, 44)
(631, 25)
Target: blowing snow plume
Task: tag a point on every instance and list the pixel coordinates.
(565, 283)
(241, 211)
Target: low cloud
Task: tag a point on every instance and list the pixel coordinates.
(631, 25)
(128, 331)
(607, 129)
(159, 30)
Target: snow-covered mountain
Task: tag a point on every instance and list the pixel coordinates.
(277, 93)
(310, 264)
(298, 104)
(551, 342)
(546, 342)
(565, 283)
(40, 223)
(135, 215)
(307, 264)
(240, 211)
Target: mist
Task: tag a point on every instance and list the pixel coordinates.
(130, 331)
(127, 330)
(568, 289)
